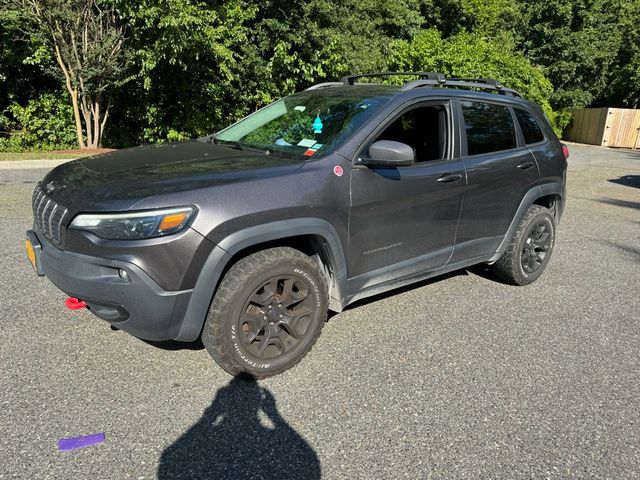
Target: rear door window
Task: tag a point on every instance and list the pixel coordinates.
(489, 127)
(530, 129)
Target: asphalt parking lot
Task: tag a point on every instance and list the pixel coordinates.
(458, 377)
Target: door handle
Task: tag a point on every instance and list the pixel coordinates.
(450, 177)
(525, 165)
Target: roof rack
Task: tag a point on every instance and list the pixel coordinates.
(318, 86)
(427, 79)
(350, 79)
(480, 83)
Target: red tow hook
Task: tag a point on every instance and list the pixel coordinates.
(73, 303)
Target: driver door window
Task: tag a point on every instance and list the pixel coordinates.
(424, 129)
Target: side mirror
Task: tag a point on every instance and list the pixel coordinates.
(387, 153)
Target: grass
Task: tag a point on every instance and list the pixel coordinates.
(9, 156)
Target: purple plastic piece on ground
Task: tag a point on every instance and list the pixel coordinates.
(65, 444)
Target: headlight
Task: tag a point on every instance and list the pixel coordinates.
(134, 225)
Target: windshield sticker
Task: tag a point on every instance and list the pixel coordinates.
(306, 142)
(300, 108)
(317, 146)
(317, 125)
(309, 152)
(283, 142)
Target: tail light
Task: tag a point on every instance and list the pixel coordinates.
(565, 151)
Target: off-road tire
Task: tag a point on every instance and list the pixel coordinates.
(510, 266)
(222, 334)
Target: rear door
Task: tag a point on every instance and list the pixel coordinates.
(500, 170)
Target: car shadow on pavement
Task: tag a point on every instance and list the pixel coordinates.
(627, 181)
(172, 345)
(618, 203)
(631, 251)
(399, 290)
(241, 435)
(634, 154)
(483, 270)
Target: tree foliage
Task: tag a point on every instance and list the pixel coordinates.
(44, 123)
(176, 69)
(577, 43)
(625, 75)
(471, 55)
(86, 40)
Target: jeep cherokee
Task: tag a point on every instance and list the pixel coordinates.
(246, 238)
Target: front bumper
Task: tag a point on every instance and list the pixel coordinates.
(116, 291)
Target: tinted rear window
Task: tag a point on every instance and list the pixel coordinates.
(489, 127)
(530, 128)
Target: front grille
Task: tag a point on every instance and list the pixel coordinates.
(49, 216)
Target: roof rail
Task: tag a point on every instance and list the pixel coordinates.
(480, 83)
(318, 86)
(350, 79)
(428, 79)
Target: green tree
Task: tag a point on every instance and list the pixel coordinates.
(86, 40)
(577, 41)
(44, 123)
(487, 17)
(189, 68)
(624, 90)
(469, 55)
(198, 66)
(22, 72)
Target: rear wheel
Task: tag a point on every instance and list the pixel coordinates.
(530, 248)
(267, 313)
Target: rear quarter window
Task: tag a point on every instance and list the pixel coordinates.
(530, 129)
(489, 127)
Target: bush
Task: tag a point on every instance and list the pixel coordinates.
(44, 123)
(470, 55)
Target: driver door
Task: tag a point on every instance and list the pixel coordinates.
(404, 219)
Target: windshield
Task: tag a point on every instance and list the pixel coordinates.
(305, 125)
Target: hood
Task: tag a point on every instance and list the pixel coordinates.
(116, 181)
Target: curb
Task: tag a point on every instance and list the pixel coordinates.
(29, 164)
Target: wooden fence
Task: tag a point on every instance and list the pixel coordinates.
(609, 127)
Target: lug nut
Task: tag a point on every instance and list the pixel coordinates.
(281, 316)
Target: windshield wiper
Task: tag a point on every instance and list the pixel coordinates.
(239, 145)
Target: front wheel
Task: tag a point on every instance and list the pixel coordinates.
(530, 248)
(267, 313)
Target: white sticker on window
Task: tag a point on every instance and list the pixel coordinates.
(300, 108)
(306, 142)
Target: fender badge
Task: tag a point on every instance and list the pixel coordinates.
(338, 170)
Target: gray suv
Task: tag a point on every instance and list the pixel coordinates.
(246, 238)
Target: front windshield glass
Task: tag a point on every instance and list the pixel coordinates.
(305, 125)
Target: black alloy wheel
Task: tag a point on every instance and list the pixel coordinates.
(536, 246)
(529, 248)
(276, 316)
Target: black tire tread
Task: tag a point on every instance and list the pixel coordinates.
(213, 333)
(508, 265)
